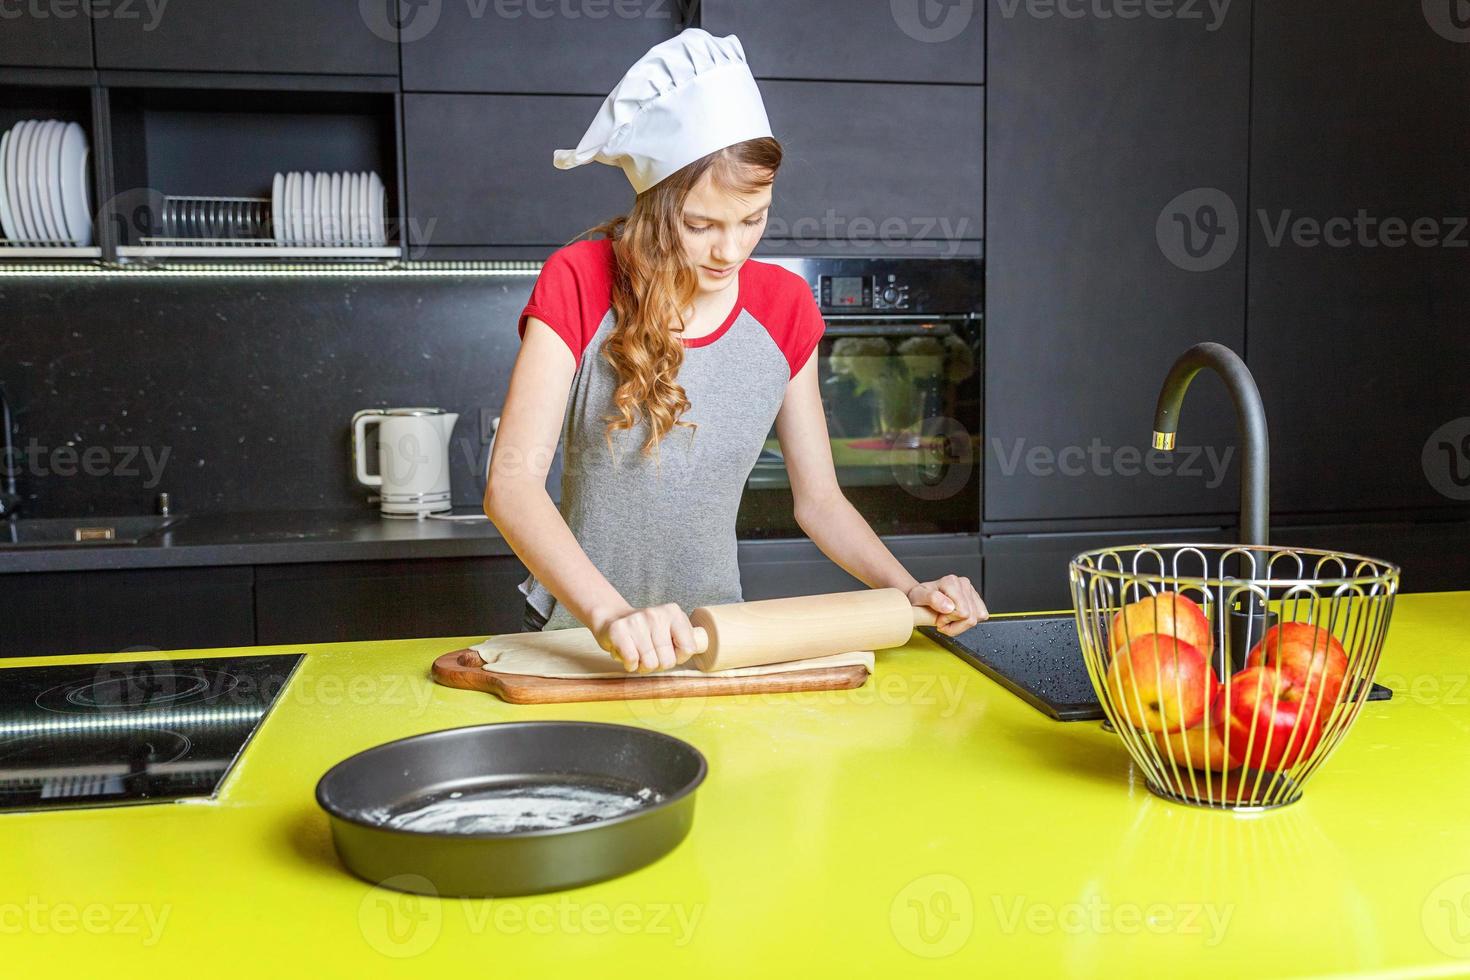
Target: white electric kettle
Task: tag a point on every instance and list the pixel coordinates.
(413, 459)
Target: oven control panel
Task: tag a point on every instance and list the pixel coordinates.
(885, 291)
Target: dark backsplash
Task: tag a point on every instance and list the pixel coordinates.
(235, 392)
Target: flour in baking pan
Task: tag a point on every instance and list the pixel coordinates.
(519, 807)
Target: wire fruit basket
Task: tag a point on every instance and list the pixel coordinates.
(1231, 672)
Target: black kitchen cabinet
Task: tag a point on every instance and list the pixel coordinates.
(774, 569)
(1107, 140)
(1357, 321)
(125, 610)
(839, 40)
(1029, 572)
(519, 47)
(388, 600)
(230, 143)
(324, 37)
(480, 172)
(38, 35)
(1433, 556)
(879, 169)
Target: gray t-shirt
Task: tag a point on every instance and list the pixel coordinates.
(662, 528)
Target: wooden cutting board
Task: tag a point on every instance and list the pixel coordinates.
(465, 669)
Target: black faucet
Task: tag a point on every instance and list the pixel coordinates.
(1249, 620)
(9, 499)
(1250, 413)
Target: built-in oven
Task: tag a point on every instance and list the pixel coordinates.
(901, 379)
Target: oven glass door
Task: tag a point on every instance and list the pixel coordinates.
(902, 394)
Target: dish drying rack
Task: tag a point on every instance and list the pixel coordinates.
(237, 227)
(47, 249)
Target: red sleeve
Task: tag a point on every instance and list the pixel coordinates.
(783, 303)
(573, 293)
(808, 330)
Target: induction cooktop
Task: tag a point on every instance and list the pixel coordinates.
(150, 731)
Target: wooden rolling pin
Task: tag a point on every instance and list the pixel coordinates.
(777, 631)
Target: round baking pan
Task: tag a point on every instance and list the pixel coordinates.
(511, 809)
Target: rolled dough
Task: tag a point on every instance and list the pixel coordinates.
(574, 653)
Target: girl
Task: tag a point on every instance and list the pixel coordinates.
(661, 353)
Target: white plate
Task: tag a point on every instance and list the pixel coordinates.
(40, 174)
(347, 200)
(286, 207)
(360, 208)
(309, 207)
(30, 179)
(21, 148)
(324, 191)
(12, 181)
(76, 207)
(7, 223)
(50, 163)
(297, 209)
(323, 208)
(376, 201)
(278, 188)
(337, 233)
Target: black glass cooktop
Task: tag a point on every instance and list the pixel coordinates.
(78, 735)
(1038, 659)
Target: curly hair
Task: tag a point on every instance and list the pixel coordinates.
(654, 283)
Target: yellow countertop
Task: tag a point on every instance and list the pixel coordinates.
(927, 823)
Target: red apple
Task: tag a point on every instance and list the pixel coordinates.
(1161, 684)
(1309, 655)
(1281, 714)
(1202, 748)
(1169, 613)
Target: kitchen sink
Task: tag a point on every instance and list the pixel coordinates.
(81, 532)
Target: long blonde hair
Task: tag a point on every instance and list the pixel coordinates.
(654, 283)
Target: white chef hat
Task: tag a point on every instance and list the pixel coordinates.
(686, 98)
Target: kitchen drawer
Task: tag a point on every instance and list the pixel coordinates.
(125, 610)
(320, 37)
(517, 47)
(38, 35)
(388, 600)
(873, 41)
(480, 172)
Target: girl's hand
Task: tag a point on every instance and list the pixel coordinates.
(955, 602)
(649, 639)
